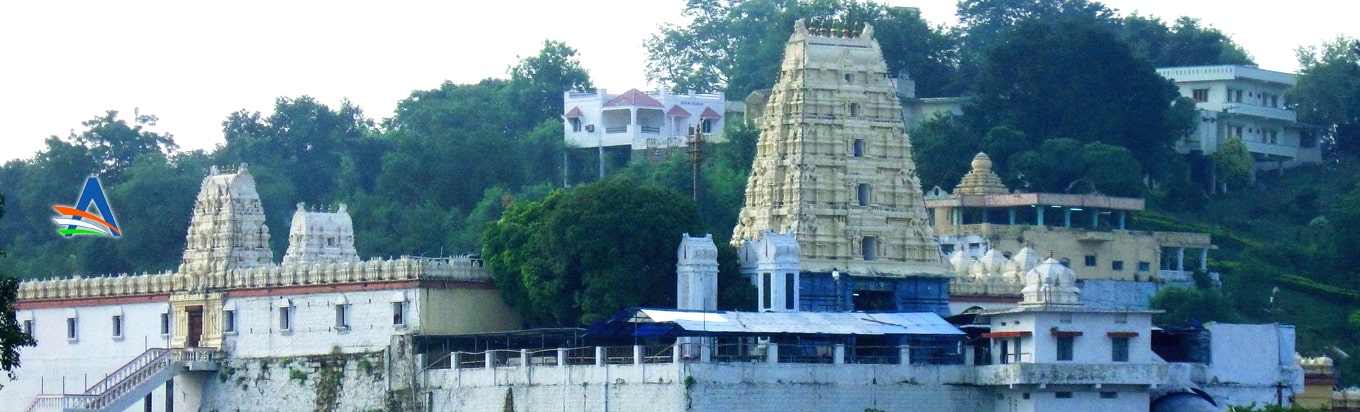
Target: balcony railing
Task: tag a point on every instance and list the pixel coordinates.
(1071, 374)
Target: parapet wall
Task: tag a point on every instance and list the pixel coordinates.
(459, 269)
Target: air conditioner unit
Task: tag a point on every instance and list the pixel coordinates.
(590, 128)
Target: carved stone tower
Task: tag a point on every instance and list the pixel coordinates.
(227, 230)
(696, 271)
(833, 164)
(320, 237)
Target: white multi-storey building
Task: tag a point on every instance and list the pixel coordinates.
(1247, 103)
(642, 120)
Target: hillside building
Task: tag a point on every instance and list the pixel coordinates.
(654, 120)
(1247, 103)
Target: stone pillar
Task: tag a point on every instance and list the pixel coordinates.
(968, 353)
(561, 356)
(524, 358)
(599, 356)
(1204, 259)
(1095, 218)
(453, 360)
(904, 355)
(1067, 217)
(705, 350)
(1011, 212)
(490, 358)
(839, 355)
(771, 353)
(637, 354)
(1180, 258)
(1039, 212)
(1121, 219)
(677, 354)
(985, 215)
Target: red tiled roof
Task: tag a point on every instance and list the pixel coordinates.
(677, 111)
(709, 114)
(574, 112)
(634, 97)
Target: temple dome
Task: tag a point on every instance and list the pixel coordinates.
(981, 180)
(1050, 283)
(961, 262)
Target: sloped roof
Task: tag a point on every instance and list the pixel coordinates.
(709, 114)
(677, 111)
(574, 112)
(633, 97)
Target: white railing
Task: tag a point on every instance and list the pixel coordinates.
(124, 380)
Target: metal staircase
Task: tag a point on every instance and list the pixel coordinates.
(129, 383)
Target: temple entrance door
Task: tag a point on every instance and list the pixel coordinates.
(195, 326)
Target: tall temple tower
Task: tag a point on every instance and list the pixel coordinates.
(833, 164)
(227, 231)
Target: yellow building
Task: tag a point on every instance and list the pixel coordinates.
(1085, 231)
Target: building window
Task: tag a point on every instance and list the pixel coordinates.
(1024, 395)
(1119, 349)
(1062, 395)
(862, 193)
(1065, 347)
(1005, 352)
(1117, 265)
(1144, 266)
(1090, 261)
(849, 78)
(706, 125)
(229, 321)
(765, 291)
(788, 291)
(869, 247)
(28, 327)
(341, 317)
(1109, 395)
(858, 148)
(1237, 132)
(854, 109)
(285, 318)
(1200, 95)
(1237, 96)
(71, 328)
(575, 124)
(399, 313)
(117, 326)
(1274, 101)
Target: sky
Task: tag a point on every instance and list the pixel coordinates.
(193, 63)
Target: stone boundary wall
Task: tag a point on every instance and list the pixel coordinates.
(465, 269)
(708, 387)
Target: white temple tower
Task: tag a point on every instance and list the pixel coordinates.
(696, 270)
(227, 230)
(833, 164)
(320, 237)
(771, 263)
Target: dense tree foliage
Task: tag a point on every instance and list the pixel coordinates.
(577, 256)
(12, 335)
(737, 46)
(1327, 93)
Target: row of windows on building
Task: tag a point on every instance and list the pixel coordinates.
(1116, 265)
(1271, 136)
(1119, 349)
(1236, 96)
(285, 315)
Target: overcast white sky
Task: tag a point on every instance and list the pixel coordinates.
(193, 63)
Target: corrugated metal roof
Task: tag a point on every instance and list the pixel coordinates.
(825, 323)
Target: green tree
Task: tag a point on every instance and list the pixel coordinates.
(12, 336)
(1327, 92)
(302, 136)
(1184, 306)
(554, 265)
(1184, 43)
(1078, 81)
(115, 144)
(737, 46)
(1232, 163)
(537, 82)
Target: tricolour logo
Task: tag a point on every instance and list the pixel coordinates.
(80, 222)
